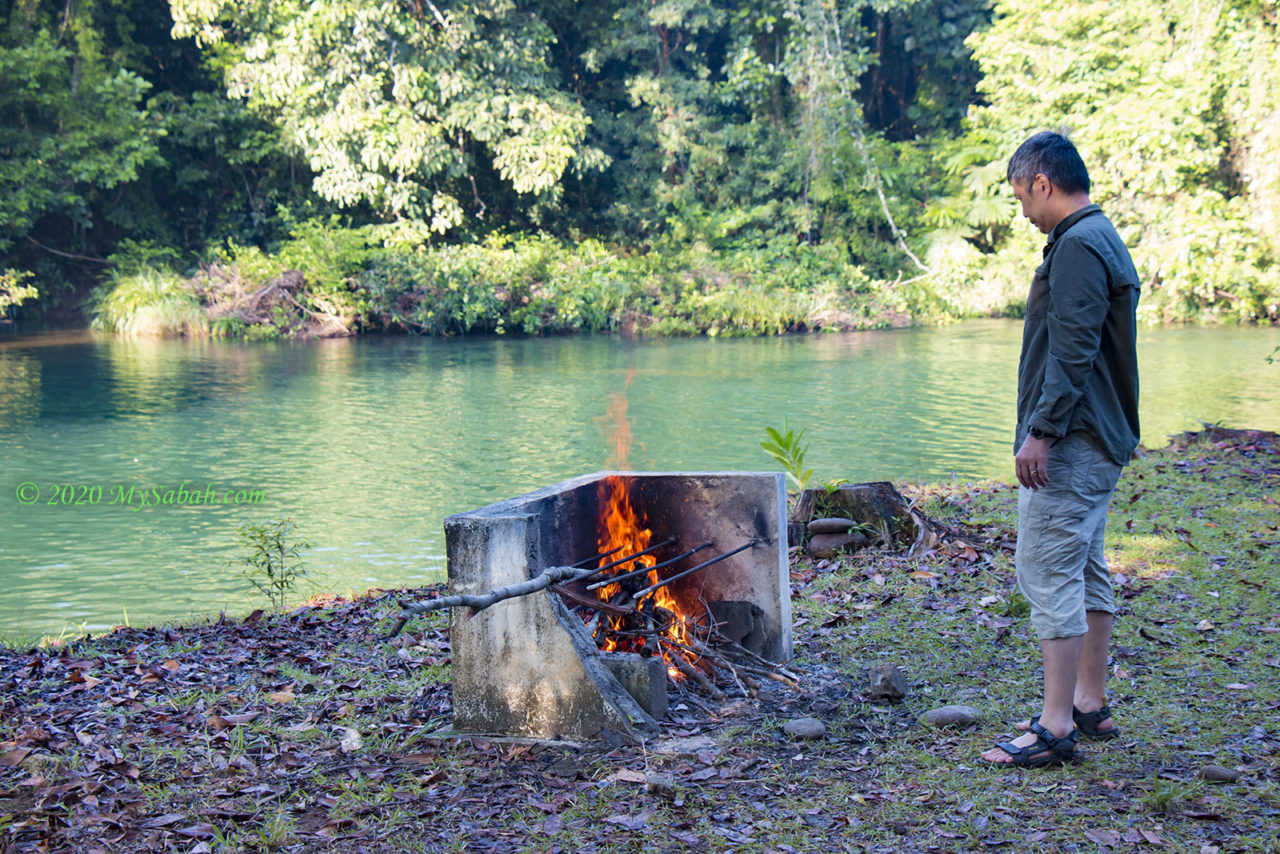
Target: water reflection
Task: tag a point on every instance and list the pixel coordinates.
(369, 443)
(20, 390)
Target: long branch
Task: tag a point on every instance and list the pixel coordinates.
(480, 601)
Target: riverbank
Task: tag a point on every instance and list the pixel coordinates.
(329, 281)
(302, 732)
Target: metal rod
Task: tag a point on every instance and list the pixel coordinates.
(591, 602)
(627, 559)
(613, 579)
(691, 570)
(583, 563)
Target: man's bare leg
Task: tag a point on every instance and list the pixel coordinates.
(1091, 676)
(1091, 681)
(1061, 663)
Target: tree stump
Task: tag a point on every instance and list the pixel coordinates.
(879, 510)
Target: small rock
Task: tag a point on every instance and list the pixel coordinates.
(660, 784)
(887, 683)
(830, 525)
(568, 767)
(805, 729)
(826, 545)
(953, 716)
(686, 746)
(1219, 774)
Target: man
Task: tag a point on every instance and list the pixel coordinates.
(1077, 427)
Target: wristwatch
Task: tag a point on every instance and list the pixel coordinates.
(1037, 433)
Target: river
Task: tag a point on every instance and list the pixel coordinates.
(369, 443)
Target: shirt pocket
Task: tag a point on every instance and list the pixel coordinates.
(1093, 474)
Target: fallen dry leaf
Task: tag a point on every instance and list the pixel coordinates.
(630, 822)
(351, 740)
(13, 757)
(221, 722)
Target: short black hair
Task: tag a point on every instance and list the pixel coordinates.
(1052, 155)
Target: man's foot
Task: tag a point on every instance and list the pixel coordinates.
(1038, 747)
(1096, 725)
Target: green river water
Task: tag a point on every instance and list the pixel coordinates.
(369, 443)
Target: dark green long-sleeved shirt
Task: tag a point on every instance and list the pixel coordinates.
(1079, 363)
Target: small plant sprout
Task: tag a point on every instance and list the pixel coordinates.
(274, 562)
(785, 447)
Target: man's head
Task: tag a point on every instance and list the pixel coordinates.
(1049, 179)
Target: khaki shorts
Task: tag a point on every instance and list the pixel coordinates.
(1062, 569)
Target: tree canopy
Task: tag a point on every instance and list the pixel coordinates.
(135, 130)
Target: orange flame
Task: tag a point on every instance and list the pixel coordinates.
(616, 417)
(620, 527)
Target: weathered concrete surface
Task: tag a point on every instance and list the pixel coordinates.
(525, 665)
(645, 679)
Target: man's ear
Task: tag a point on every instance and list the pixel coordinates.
(1042, 183)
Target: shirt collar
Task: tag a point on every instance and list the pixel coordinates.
(1070, 220)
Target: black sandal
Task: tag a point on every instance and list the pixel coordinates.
(1087, 723)
(1046, 750)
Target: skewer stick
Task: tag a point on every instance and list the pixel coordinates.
(706, 563)
(594, 558)
(626, 559)
(613, 579)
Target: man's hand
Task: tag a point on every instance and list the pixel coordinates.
(1032, 463)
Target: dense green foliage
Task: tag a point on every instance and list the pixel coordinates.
(1174, 106)
(648, 166)
(326, 280)
(116, 143)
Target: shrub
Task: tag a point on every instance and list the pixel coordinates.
(147, 302)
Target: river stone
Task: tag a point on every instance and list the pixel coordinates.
(1219, 774)
(665, 785)
(827, 545)
(887, 683)
(830, 525)
(805, 729)
(953, 716)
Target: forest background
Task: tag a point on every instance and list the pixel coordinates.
(269, 168)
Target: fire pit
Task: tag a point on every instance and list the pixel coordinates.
(651, 565)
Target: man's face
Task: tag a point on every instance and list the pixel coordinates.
(1034, 198)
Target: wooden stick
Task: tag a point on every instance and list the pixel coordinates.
(696, 675)
(480, 601)
(752, 657)
(776, 677)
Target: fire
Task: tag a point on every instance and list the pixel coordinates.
(622, 529)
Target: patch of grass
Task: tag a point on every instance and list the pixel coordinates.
(147, 302)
